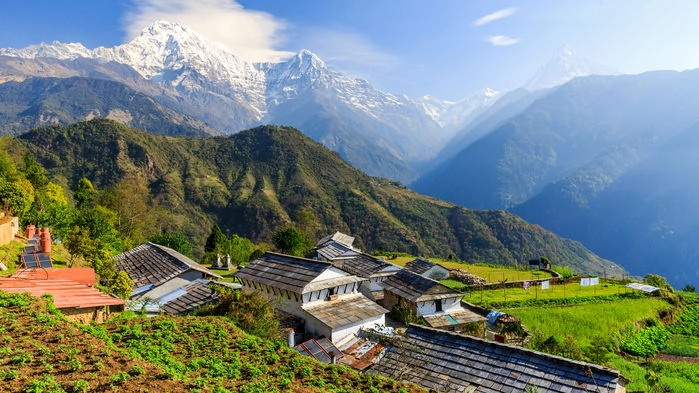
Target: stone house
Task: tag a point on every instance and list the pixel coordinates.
(324, 296)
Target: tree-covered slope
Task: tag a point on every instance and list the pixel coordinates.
(44, 101)
(256, 181)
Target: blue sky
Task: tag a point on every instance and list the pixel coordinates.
(446, 48)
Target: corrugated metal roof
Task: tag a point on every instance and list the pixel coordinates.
(642, 287)
(151, 263)
(66, 293)
(413, 287)
(453, 318)
(346, 310)
(283, 271)
(451, 362)
(321, 349)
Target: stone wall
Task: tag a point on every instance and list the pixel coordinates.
(9, 227)
(86, 315)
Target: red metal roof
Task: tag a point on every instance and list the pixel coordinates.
(83, 275)
(66, 293)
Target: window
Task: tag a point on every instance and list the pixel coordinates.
(438, 305)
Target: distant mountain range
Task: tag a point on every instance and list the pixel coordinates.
(256, 181)
(383, 134)
(602, 159)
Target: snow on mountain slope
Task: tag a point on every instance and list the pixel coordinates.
(454, 116)
(564, 66)
(209, 82)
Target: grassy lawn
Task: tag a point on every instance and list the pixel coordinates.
(682, 346)
(226, 274)
(587, 321)
(9, 254)
(492, 274)
(572, 289)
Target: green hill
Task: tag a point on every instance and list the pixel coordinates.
(258, 180)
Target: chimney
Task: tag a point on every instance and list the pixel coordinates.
(31, 231)
(290, 337)
(45, 240)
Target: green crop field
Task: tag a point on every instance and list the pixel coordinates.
(492, 274)
(569, 290)
(588, 321)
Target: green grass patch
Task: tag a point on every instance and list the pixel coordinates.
(586, 322)
(228, 275)
(680, 345)
(496, 297)
(680, 377)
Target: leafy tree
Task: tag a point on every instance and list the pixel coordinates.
(240, 249)
(15, 197)
(689, 288)
(249, 311)
(216, 240)
(34, 172)
(291, 241)
(657, 281)
(84, 193)
(79, 244)
(175, 240)
(123, 285)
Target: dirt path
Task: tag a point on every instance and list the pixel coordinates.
(675, 358)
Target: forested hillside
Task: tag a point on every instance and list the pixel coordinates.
(269, 177)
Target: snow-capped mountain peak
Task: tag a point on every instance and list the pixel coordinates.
(564, 66)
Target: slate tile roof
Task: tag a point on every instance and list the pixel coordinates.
(419, 265)
(152, 263)
(333, 250)
(363, 265)
(198, 293)
(451, 362)
(339, 237)
(413, 287)
(345, 310)
(284, 271)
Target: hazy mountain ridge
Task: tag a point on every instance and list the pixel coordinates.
(256, 181)
(577, 160)
(42, 101)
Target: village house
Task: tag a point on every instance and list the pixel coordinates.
(451, 362)
(165, 280)
(325, 297)
(73, 292)
(338, 249)
(439, 305)
(427, 268)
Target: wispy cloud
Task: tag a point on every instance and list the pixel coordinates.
(502, 40)
(250, 35)
(503, 13)
(349, 52)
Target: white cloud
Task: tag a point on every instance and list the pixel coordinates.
(349, 52)
(502, 40)
(503, 13)
(250, 35)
